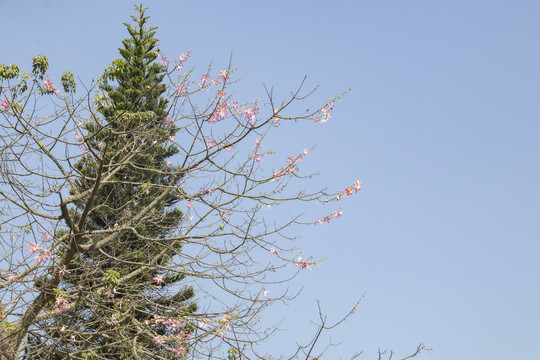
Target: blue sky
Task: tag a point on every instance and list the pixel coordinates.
(442, 127)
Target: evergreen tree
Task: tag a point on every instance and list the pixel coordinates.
(132, 299)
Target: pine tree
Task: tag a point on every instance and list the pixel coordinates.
(128, 178)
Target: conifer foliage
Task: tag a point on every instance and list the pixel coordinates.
(122, 293)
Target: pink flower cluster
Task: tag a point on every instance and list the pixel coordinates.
(169, 323)
(80, 143)
(249, 113)
(178, 336)
(299, 158)
(204, 80)
(179, 351)
(39, 253)
(224, 75)
(158, 279)
(210, 144)
(110, 293)
(356, 187)
(4, 105)
(182, 90)
(220, 112)
(325, 114)
(327, 219)
(302, 264)
(289, 169)
(49, 87)
(279, 174)
(225, 321)
(61, 305)
(183, 58)
(158, 340)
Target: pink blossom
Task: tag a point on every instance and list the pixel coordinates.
(204, 80)
(189, 204)
(34, 247)
(210, 144)
(302, 264)
(158, 279)
(61, 305)
(221, 93)
(272, 250)
(158, 340)
(49, 87)
(229, 148)
(182, 91)
(110, 293)
(224, 75)
(265, 292)
(79, 137)
(306, 151)
(171, 138)
(225, 216)
(4, 105)
(257, 143)
(257, 158)
(167, 121)
(179, 351)
(277, 176)
(203, 325)
(182, 58)
(357, 185)
(44, 255)
(348, 191)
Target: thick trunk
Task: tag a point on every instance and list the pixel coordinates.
(7, 340)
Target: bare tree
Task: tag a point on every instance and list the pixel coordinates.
(132, 216)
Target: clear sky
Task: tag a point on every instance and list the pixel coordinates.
(442, 127)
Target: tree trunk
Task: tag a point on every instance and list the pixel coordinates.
(7, 351)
